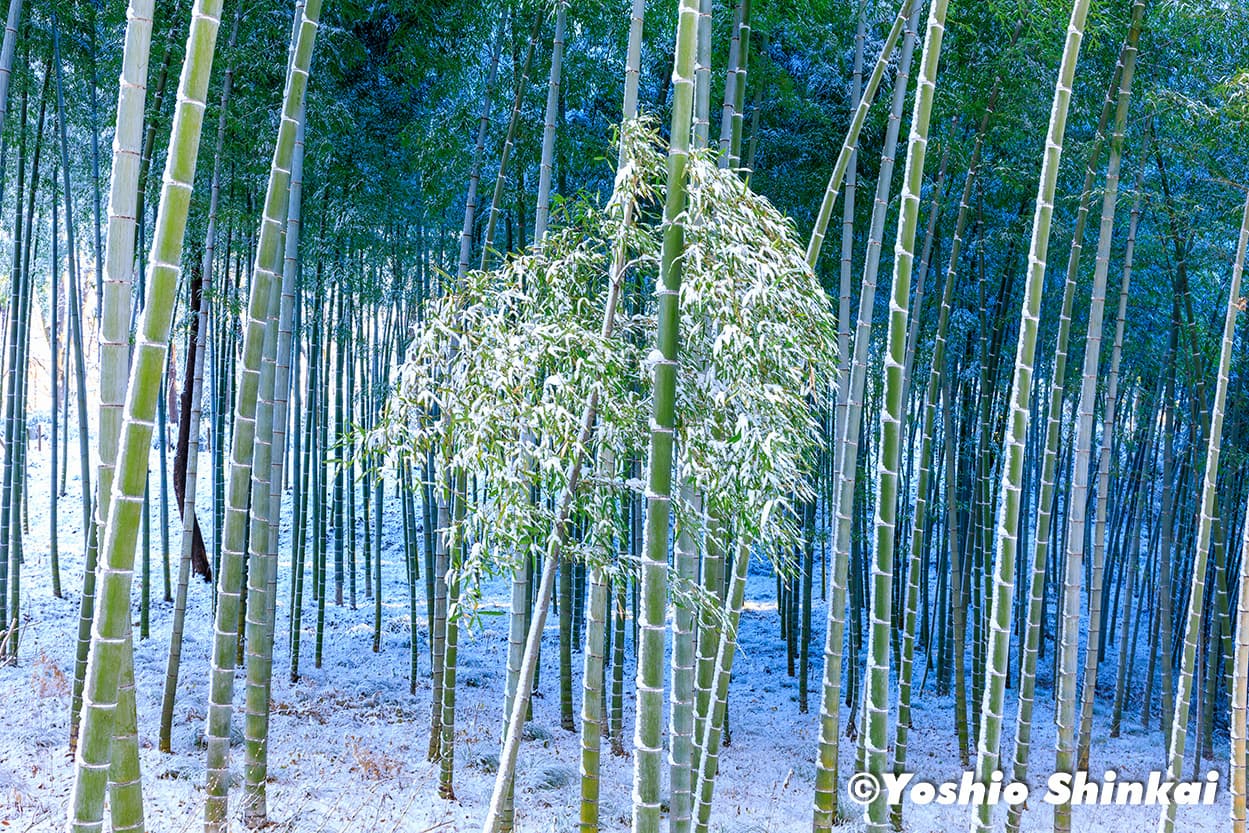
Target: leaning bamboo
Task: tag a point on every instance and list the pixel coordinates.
(988, 746)
(195, 412)
(1196, 594)
(267, 268)
(107, 661)
(500, 808)
(851, 143)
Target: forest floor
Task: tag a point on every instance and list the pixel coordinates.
(348, 741)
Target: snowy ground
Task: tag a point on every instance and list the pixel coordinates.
(348, 741)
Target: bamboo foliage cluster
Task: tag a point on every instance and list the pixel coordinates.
(509, 399)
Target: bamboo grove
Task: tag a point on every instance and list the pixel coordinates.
(463, 416)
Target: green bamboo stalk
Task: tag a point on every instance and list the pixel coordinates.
(162, 445)
(173, 666)
(347, 444)
(368, 353)
(1240, 691)
(217, 434)
(521, 577)
(428, 533)
(835, 618)
(267, 493)
(54, 304)
(734, 87)
(259, 653)
(310, 473)
(1102, 267)
(543, 211)
(1165, 539)
(380, 385)
(713, 584)
(1131, 551)
(616, 717)
(647, 738)
(702, 78)
(6, 55)
(989, 743)
(892, 414)
(850, 401)
(114, 333)
(748, 161)
(454, 535)
(1067, 758)
(92, 81)
(739, 86)
(15, 319)
(438, 622)
(286, 338)
(1196, 597)
(681, 707)
(325, 314)
(730, 80)
(592, 698)
(108, 664)
(264, 272)
(925, 258)
(711, 731)
(1049, 465)
(807, 518)
(957, 559)
(125, 790)
(339, 463)
(567, 568)
(515, 656)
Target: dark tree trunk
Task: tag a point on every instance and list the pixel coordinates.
(199, 555)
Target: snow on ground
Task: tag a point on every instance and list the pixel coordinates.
(348, 741)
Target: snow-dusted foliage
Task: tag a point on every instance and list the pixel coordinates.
(496, 379)
(758, 342)
(497, 376)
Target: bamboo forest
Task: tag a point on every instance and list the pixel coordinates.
(684, 416)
